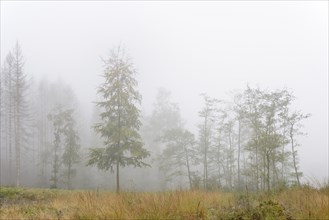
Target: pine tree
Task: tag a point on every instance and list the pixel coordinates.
(7, 117)
(120, 118)
(20, 106)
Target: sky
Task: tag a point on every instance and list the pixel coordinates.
(187, 47)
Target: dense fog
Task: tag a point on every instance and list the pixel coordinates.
(164, 95)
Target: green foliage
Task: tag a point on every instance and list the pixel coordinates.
(9, 192)
(120, 123)
(177, 157)
(208, 115)
(64, 136)
(13, 193)
(270, 210)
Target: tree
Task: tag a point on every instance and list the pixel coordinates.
(58, 123)
(228, 130)
(165, 116)
(205, 132)
(178, 153)
(20, 106)
(71, 147)
(65, 145)
(120, 119)
(47, 97)
(242, 131)
(294, 126)
(7, 116)
(267, 115)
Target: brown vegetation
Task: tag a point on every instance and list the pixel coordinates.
(295, 203)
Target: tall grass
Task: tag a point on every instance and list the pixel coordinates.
(296, 203)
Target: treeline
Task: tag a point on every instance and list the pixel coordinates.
(248, 141)
(39, 140)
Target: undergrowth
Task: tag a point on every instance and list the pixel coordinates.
(289, 204)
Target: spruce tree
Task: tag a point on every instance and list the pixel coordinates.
(120, 118)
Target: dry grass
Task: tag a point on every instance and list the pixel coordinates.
(306, 202)
(302, 203)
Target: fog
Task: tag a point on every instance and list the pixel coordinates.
(186, 47)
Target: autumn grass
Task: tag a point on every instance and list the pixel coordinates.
(294, 203)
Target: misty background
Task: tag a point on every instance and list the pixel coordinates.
(187, 48)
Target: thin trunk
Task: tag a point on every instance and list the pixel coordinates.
(239, 149)
(205, 154)
(268, 172)
(188, 168)
(56, 158)
(118, 176)
(257, 169)
(119, 140)
(218, 163)
(275, 174)
(17, 135)
(10, 118)
(294, 155)
(55, 168)
(205, 170)
(230, 163)
(282, 163)
(264, 176)
(69, 176)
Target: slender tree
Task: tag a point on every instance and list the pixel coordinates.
(177, 157)
(7, 115)
(20, 105)
(120, 123)
(165, 116)
(57, 118)
(206, 133)
(71, 147)
(294, 128)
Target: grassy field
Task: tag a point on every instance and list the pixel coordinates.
(295, 203)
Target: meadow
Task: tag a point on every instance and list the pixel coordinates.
(293, 203)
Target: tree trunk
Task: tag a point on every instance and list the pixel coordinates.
(230, 163)
(10, 143)
(188, 169)
(17, 142)
(294, 154)
(69, 176)
(205, 184)
(239, 149)
(118, 176)
(268, 172)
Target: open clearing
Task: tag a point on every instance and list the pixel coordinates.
(295, 203)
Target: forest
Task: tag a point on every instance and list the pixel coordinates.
(242, 163)
(249, 141)
(164, 110)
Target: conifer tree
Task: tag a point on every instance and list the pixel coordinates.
(20, 106)
(120, 118)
